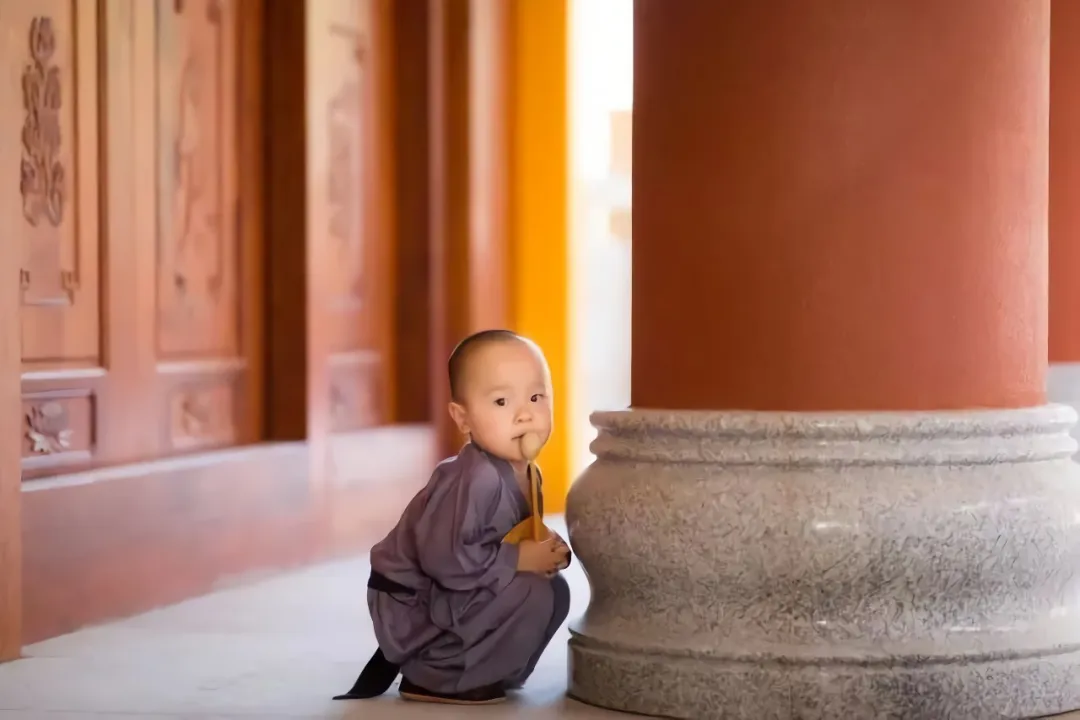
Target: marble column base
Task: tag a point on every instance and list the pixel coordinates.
(765, 566)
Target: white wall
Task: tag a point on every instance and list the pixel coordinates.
(601, 82)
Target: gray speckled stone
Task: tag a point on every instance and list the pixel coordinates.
(833, 566)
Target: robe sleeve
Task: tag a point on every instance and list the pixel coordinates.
(458, 544)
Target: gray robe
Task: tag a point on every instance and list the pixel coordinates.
(474, 620)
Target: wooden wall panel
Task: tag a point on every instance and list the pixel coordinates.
(205, 363)
(51, 110)
(58, 225)
(349, 245)
(197, 206)
(132, 349)
(331, 253)
(349, 232)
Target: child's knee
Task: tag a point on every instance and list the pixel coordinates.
(561, 597)
(533, 591)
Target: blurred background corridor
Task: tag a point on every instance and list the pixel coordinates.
(249, 233)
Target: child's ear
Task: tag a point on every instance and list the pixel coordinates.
(458, 415)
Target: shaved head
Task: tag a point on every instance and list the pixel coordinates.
(458, 366)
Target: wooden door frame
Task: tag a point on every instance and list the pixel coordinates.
(10, 420)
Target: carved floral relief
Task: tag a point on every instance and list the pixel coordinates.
(47, 428)
(42, 176)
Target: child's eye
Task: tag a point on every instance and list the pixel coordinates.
(501, 402)
(536, 397)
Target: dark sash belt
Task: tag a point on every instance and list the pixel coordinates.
(380, 583)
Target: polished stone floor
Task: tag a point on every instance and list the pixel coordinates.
(268, 651)
(276, 649)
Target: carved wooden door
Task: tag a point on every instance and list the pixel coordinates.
(135, 264)
(205, 329)
(50, 112)
(349, 240)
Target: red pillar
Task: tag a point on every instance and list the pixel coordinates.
(840, 206)
(1064, 375)
(839, 492)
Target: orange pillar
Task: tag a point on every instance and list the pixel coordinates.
(539, 223)
(838, 481)
(1064, 377)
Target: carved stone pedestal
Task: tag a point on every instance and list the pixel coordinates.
(762, 566)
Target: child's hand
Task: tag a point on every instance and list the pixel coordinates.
(542, 558)
(563, 549)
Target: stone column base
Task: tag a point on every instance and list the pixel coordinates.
(761, 566)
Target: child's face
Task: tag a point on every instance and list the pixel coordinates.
(507, 393)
